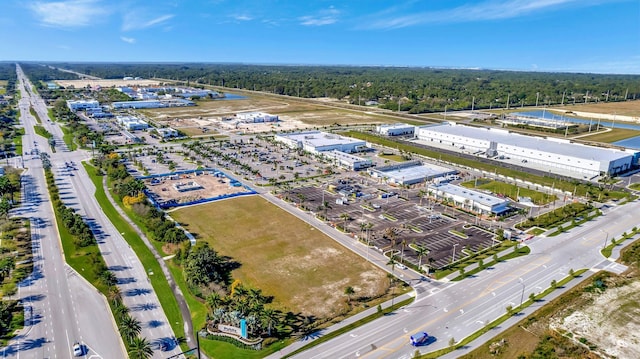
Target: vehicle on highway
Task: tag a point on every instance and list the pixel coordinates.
(77, 349)
(419, 339)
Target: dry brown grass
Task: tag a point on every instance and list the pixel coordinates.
(288, 109)
(627, 108)
(303, 269)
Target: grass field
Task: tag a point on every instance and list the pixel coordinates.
(626, 108)
(616, 134)
(3, 85)
(510, 190)
(395, 158)
(278, 252)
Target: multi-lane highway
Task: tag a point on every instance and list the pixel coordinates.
(67, 309)
(61, 308)
(457, 310)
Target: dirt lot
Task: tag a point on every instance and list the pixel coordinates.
(597, 319)
(293, 115)
(106, 83)
(211, 187)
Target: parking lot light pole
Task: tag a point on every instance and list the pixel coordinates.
(454, 253)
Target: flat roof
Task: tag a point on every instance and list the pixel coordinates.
(470, 194)
(416, 172)
(346, 156)
(393, 126)
(535, 143)
(320, 139)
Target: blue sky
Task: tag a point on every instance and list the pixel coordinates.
(601, 36)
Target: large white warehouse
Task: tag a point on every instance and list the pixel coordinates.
(556, 155)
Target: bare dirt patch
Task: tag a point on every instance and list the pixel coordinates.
(211, 186)
(303, 269)
(609, 321)
(294, 114)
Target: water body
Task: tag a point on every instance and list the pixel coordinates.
(633, 142)
(553, 116)
(231, 96)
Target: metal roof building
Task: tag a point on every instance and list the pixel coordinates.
(348, 160)
(316, 141)
(410, 172)
(553, 153)
(469, 199)
(395, 129)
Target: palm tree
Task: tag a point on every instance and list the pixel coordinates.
(369, 226)
(129, 327)
(420, 252)
(325, 206)
(421, 194)
(349, 291)
(302, 198)
(345, 217)
(120, 310)
(269, 318)
(214, 300)
(114, 294)
(140, 348)
(403, 242)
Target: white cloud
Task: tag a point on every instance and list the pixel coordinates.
(242, 17)
(129, 40)
(485, 11)
(132, 21)
(71, 13)
(324, 17)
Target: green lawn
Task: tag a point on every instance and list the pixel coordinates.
(35, 114)
(616, 134)
(68, 138)
(42, 131)
(17, 141)
(395, 158)
(158, 280)
(510, 190)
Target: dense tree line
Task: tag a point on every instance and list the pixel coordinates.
(73, 222)
(415, 90)
(40, 73)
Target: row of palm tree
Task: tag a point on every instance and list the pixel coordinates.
(129, 327)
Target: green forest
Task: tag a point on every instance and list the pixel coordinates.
(412, 89)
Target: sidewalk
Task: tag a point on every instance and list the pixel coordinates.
(322, 332)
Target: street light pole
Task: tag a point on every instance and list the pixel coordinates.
(606, 239)
(522, 295)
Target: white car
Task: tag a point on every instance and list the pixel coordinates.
(77, 349)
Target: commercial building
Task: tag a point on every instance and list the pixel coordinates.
(167, 132)
(131, 123)
(316, 142)
(152, 104)
(78, 105)
(256, 117)
(349, 161)
(410, 172)
(556, 155)
(469, 199)
(396, 129)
